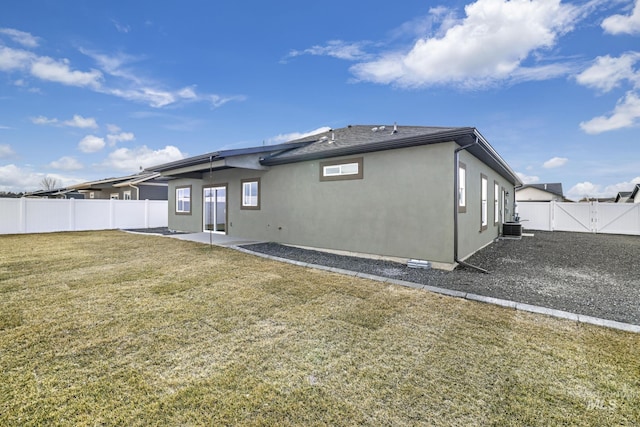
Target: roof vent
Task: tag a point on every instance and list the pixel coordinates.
(381, 128)
(324, 138)
(395, 128)
(374, 129)
(333, 137)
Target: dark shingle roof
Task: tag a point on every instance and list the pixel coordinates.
(366, 139)
(358, 139)
(553, 188)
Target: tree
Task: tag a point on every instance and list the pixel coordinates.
(48, 183)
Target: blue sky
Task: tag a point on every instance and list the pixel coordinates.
(91, 90)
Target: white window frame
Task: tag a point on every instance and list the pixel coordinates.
(250, 200)
(484, 190)
(92, 195)
(338, 170)
(496, 202)
(114, 196)
(462, 187)
(126, 195)
(183, 196)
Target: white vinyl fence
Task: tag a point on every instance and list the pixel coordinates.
(49, 215)
(592, 217)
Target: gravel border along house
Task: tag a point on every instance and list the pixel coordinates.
(586, 274)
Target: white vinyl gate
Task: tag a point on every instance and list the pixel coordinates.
(591, 217)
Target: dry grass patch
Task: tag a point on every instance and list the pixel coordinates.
(113, 328)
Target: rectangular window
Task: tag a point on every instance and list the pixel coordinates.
(462, 188)
(484, 184)
(114, 196)
(183, 200)
(127, 195)
(92, 195)
(341, 169)
(250, 194)
(496, 203)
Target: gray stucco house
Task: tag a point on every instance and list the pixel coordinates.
(142, 186)
(540, 193)
(407, 192)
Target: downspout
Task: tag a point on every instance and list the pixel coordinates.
(456, 184)
(137, 191)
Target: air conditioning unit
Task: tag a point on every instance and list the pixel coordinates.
(512, 229)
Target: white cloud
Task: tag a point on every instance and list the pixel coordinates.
(585, 189)
(91, 144)
(527, 179)
(113, 139)
(81, 122)
(66, 163)
(555, 162)
(42, 120)
(626, 114)
(46, 68)
(20, 37)
(588, 189)
(60, 71)
(607, 73)
(133, 86)
(77, 121)
(489, 45)
(131, 160)
(113, 128)
(624, 24)
(121, 27)
(6, 151)
(16, 179)
(336, 49)
(286, 137)
(120, 80)
(14, 59)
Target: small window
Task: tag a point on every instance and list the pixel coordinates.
(496, 203)
(114, 196)
(341, 169)
(462, 188)
(183, 200)
(484, 184)
(250, 194)
(92, 195)
(126, 195)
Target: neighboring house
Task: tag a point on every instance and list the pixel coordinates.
(58, 193)
(540, 193)
(623, 197)
(409, 192)
(634, 197)
(142, 186)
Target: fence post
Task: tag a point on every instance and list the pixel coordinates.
(146, 213)
(22, 216)
(72, 214)
(111, 214)
(552, 215)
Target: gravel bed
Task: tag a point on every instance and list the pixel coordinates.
(589, 274)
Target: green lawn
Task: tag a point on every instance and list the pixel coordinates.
(109, 328)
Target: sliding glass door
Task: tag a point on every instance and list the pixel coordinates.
(215, 209)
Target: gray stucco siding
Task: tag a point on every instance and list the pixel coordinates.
(470, 236)
(400, 208)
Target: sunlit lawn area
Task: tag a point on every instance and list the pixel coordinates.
(121, 329)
